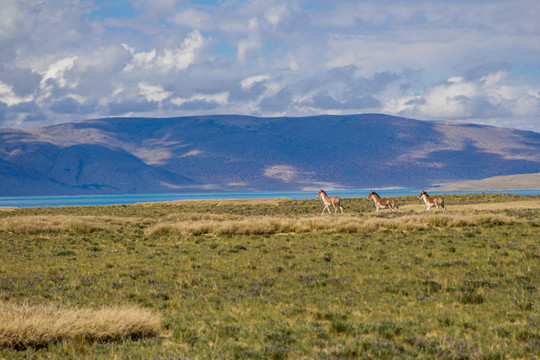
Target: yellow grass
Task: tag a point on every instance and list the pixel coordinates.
(34, 224)
(513, 205)
(510, 205)
(23, 325)
(223, 202)
(257, 225)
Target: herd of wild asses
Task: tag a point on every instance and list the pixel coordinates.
(380, 203)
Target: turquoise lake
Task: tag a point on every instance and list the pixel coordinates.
(86, 200)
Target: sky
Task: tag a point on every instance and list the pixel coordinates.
(456, 60)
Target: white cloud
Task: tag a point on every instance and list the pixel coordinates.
(490, 96)
(248, 82)
(56, 71)
(527, 104)
(449, 100)
(219, 98)
(181, 58)
(178, 58)
(153, 92)
(141, 60)
(9, 97)
(269, 57)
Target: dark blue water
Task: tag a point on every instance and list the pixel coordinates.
(85, 200)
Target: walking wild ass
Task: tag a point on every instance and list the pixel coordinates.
(381, 203)
(327, 201)
(430, 202)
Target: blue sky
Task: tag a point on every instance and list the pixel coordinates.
(436, 60)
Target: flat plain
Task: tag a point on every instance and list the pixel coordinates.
(275, 279)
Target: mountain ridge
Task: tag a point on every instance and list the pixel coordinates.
(236, 152)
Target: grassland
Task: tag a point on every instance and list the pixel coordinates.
(273, 279)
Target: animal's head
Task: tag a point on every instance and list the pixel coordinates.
(422, 194)
(321, 192)
(371, 194)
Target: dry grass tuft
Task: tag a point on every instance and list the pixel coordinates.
(225, 202)
(25, 325)
(322, 224)
(36, 224)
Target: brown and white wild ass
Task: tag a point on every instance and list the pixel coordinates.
(381, 203)
(327, 201)
(430, 202)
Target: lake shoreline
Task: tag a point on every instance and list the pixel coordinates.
(131, 199)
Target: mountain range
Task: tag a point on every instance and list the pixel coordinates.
(243, 153)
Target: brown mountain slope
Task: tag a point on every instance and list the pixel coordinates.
(496, 183)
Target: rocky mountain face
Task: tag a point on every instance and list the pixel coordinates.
(229, 152)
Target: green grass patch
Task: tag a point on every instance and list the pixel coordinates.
(275, 280)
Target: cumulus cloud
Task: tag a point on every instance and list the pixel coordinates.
(153, 92)
(490, 96)
(56, 71)
(431, 60)
(8, 96)
(248, 82)
(177, 58)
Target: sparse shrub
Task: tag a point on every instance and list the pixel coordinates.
(471, 298)
(430, 287)
(341, 327)
(388, 329)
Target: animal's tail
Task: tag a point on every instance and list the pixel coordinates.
(441, 203)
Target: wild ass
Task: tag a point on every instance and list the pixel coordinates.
(381, 203)
(334, 201)
(430, 202)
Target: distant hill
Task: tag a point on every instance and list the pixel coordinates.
(229, 152)
(497, 183)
